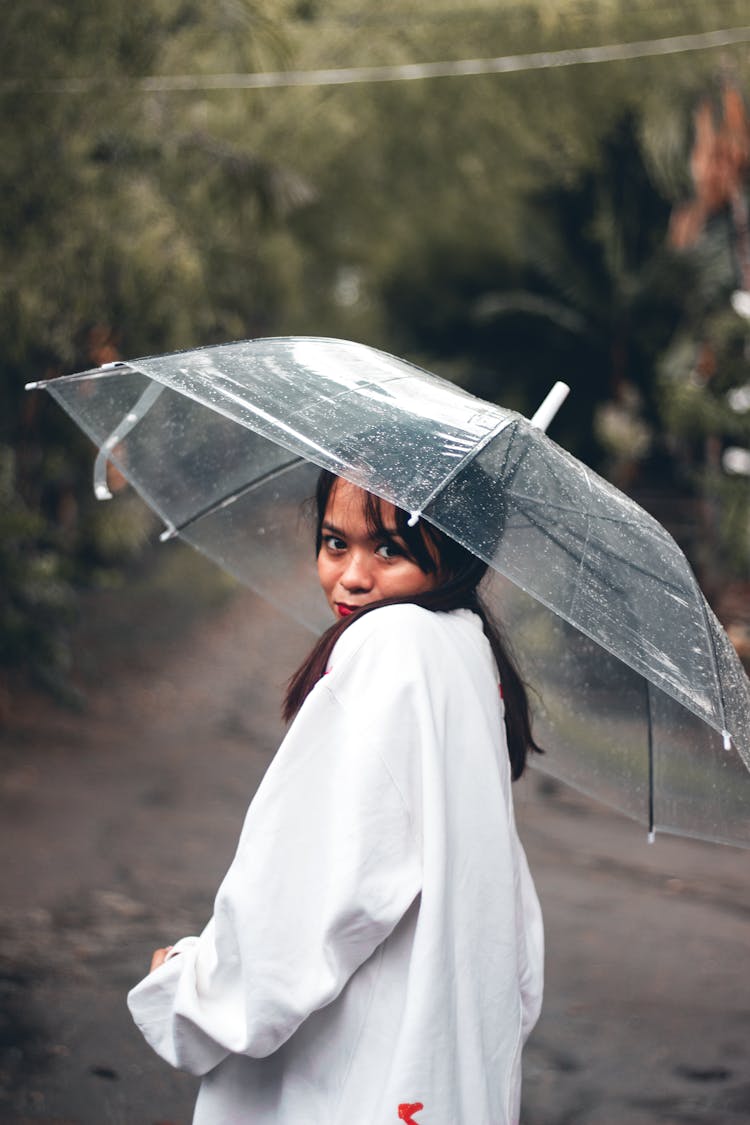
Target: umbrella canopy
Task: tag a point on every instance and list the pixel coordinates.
(638, 695)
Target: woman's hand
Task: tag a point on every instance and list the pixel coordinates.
(159, 957)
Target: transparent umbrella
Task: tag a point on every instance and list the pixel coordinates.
(639, 697)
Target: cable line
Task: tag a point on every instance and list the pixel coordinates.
(407, 72)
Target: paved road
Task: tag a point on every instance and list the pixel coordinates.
(118, 822)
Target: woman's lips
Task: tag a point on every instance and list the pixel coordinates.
(345, 610)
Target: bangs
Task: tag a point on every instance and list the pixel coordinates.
(412, 537)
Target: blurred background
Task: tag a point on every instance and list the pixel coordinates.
(585, 222)
(580, 214)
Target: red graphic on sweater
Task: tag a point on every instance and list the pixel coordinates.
(406, 1109)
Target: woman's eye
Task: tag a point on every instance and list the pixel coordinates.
(333, 543)
(389, 551)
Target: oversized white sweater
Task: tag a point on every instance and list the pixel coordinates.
(375, 953)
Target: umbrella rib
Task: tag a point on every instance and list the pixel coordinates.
(103, 372)
(230, 497)
(712, 649)
(474, 452)
(650, 730)
(559, 542)
(671, 586)
(714, 664)
(582, 563)
(543, 503)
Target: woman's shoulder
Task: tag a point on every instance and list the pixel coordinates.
(400, 622)
(404, 631)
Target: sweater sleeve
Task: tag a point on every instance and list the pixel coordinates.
(327, 864)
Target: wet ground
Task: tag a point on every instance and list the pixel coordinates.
(117, 822)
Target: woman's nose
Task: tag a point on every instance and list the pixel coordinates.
(357, 574)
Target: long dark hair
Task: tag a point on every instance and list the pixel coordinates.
(432, 551)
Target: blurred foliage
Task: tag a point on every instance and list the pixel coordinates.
(125, 228)
(504, 230)
(594, 297)
(34, 597)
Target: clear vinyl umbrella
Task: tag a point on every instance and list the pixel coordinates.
(639, 697)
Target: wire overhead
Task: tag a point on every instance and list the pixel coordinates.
(408, 72)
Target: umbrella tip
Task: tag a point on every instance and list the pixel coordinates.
(167, 534)
(549, 408)
(727, 739)
(413, 519)
(651, 836)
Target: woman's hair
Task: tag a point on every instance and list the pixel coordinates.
(461, 572)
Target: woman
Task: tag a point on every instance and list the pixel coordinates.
(375, 953)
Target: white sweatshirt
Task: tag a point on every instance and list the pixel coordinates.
(375, 954)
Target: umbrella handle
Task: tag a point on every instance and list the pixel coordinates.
(549, 408)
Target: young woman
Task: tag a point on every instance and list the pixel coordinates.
(375, 953)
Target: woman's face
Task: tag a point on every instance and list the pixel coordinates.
(357, 566)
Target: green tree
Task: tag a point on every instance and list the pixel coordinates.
(704, 373)
(125, 220)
